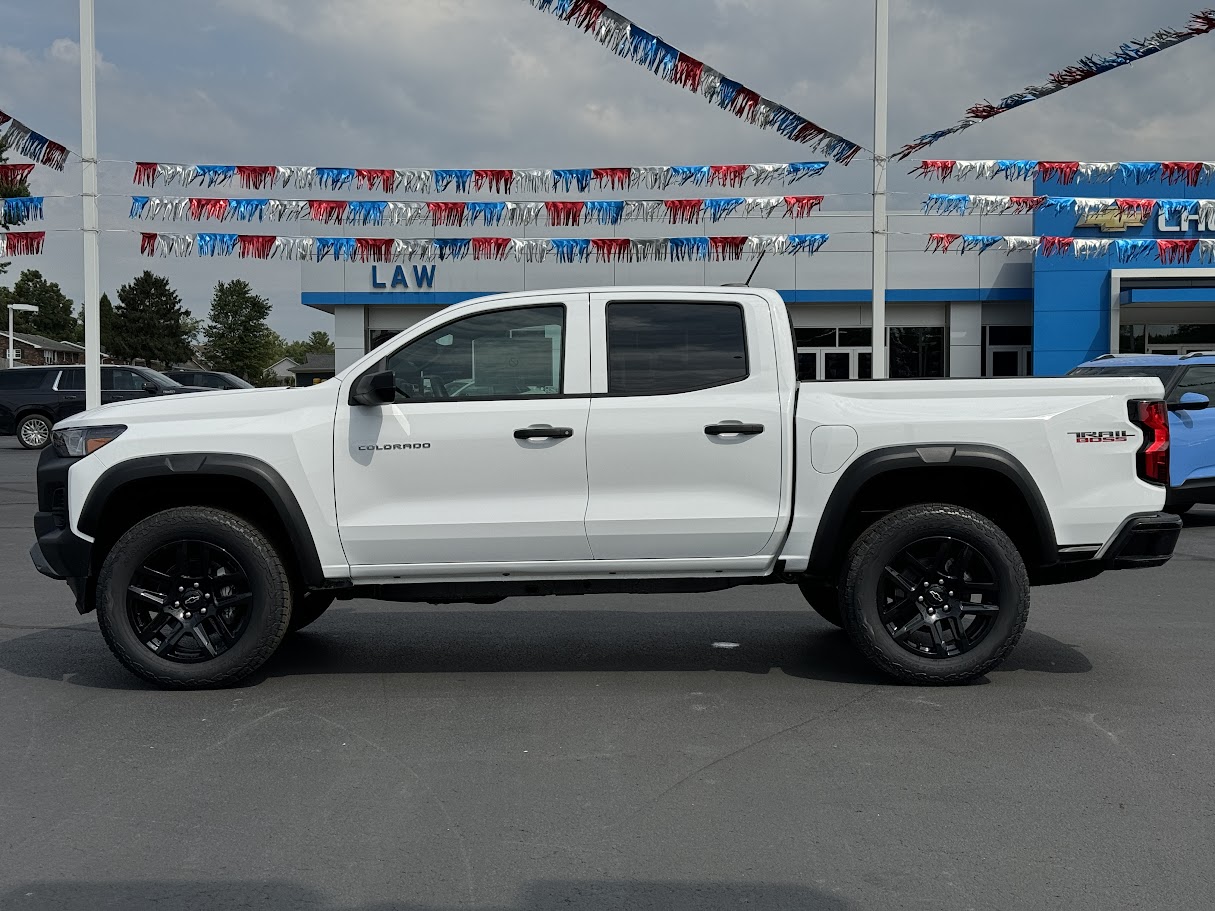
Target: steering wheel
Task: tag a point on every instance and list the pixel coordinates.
(438, 388)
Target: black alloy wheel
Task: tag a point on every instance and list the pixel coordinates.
(934, 594)
(189, 601)
(193, 597)
(939, 597)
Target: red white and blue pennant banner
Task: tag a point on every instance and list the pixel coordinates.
(626, 39)
(1170, 252)
(17, 210)
(25, 142)
(960, 204)
(1132, 51)
(1189, 173)
(428, 249)
(557, 213)
(21, 243)
(468, 180)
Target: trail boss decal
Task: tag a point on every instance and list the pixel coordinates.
(387, 446)
(1102, 436)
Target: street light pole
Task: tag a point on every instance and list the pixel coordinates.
(12, 344)
(92, 222)
(881, 53)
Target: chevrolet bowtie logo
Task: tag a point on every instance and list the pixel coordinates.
(1114, 220)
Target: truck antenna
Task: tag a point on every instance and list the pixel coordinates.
(747, 283)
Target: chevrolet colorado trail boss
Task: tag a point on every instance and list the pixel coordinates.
(624, 440)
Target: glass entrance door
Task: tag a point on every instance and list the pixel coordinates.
(834, 364)
(1009, 360)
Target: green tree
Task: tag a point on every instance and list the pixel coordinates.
(56, 316)
(320, 342)
(237, 338)
(150, 323)
(106, 312)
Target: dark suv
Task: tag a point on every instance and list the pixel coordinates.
(212, 379)
(33, 399)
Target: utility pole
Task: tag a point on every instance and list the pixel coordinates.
(92, 222)
(881, 54)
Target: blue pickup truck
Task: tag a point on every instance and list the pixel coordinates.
(1189, 388)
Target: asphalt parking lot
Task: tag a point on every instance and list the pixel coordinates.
(602, 753)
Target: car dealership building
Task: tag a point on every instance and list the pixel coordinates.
(969, 315)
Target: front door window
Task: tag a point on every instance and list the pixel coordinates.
(504, 354)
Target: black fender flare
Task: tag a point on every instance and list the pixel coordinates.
(824, 553)
(213, 464)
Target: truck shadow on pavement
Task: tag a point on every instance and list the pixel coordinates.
(536, 896)
(520, 640)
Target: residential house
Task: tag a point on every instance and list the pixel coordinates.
(316, 369)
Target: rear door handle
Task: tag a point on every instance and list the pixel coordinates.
(747, 430)
(544, 433)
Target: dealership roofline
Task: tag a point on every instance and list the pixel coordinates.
(325, 300)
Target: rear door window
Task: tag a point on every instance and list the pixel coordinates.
(72, 380)
(664, 349)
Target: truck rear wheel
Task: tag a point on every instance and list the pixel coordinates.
(193, 597)
(935, 594)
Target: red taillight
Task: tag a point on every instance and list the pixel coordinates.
(1153, 457)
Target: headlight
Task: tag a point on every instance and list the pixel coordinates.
(77, 442)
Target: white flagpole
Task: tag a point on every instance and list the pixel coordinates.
(881, 53)
(92, 223)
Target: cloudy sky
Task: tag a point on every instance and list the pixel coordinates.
(493, 83)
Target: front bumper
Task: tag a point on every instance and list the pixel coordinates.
(1143, 541)
(59, 552)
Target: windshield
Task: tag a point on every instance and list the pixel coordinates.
(236, 381)
(1162, 373)
(155, 376)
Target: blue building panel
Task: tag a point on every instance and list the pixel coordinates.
(1072, 296)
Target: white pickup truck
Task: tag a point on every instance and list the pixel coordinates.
(636, 440)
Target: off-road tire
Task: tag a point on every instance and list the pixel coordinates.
(824, 598)
(876, 548)
(307, 608)
(34, 426)
(270, 606)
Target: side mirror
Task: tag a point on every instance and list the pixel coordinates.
(374, 389)
(151, 388)
(1191, 401)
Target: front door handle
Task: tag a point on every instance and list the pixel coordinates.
(544, 433)
(746, 430)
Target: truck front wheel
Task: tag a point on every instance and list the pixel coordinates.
(935, 594)
(824, 598)
(193, 597)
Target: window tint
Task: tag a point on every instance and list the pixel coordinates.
(1164, 374)
(1196, 379)
(504, 354)
(120, 380)
(18, 378)
(657, 349)
(72, 380)
(209, 380)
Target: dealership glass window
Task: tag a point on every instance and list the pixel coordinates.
(377, 337)
(917, 351)
(503, 354)
(1184, 334)
(1132, 339)
(662, 349)
(1010, 335)
(817, 337)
